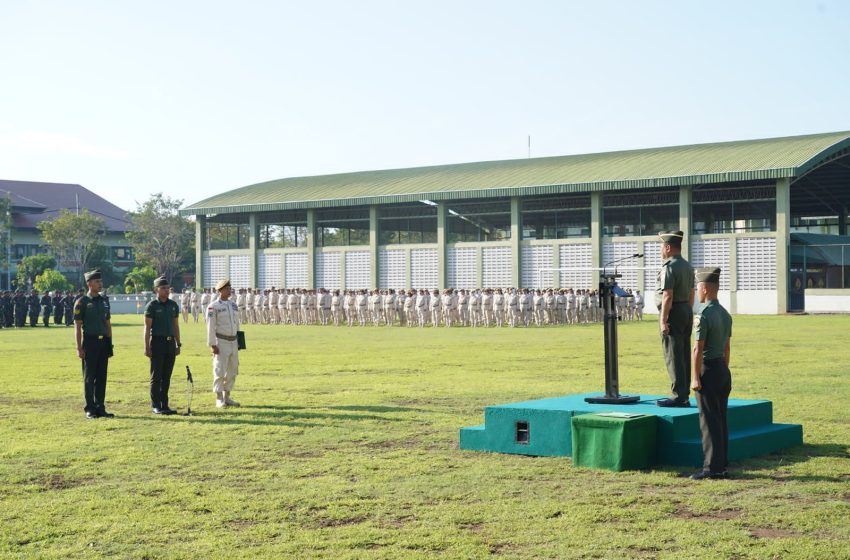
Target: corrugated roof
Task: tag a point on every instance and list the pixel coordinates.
(50, 198)
(746, 160)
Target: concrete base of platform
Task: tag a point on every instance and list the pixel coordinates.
(542, 428)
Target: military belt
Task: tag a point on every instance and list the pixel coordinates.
(163, 337)
(95, 336)
(225, 337)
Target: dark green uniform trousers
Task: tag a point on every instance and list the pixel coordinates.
(163, 355)
(713, 402)
(677, 351)
(94, 372)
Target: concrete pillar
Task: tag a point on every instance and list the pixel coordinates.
(200, 247)
(441, 245)
(733, 275)
(253, 245)
(596, 229)
(479, 266)
(373, 246)
(842, 221)
(311, 248)
(783, 241)
(516, 241)
(685, 199)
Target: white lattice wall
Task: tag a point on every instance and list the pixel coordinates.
(652, 262)
(214, 269)
(357, 269)
(423, 268)
(392, 268)
(296, 270)
(577, 255)
(328, 270)
(268, 271)
(496, 267)
(462, 267)
(533, 258)
(756, 263)
(712, 252)
(240, 271)
(619, 250)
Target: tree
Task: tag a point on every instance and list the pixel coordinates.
(51, 280)
(160, 237)
(74, 237)
(30, 267)
(140, 279)
(5, 228)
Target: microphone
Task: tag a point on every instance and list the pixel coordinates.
(615, 261)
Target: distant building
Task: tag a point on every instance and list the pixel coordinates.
(772, 213)
(33, 203)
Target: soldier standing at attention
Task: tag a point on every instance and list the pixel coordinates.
(56, 303)
(710, 378)
(674, 297)
(68, 306)
(33, 307)
(162, 344)
(93, 334)
(222, 326)
(185, 303)
(46, 308)
(195, 305)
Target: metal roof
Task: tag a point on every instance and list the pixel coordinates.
(747, 160)
(34, 202)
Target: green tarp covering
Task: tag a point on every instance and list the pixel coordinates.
(614, 441)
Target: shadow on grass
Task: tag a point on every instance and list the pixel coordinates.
(201, 418)
(287, 410)
(766, 467)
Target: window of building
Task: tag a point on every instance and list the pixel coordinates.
(282, 229)
(342, 226)
(558, 217)
(827, 225)
(122, 254)
(407, 223)
(485, 220)
(750, 208)
(21, 251)
(640, 213)
(227, 231)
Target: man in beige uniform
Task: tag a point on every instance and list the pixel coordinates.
(222, 325)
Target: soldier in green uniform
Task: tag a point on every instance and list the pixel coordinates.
(711, 379)
(93, 333)
(162, 344)
(674, 297)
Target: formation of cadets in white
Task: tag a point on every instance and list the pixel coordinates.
(510, 307)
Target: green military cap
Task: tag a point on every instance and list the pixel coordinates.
(222, 284)
(708, 274)
(159, 282)
(95, 274)
(672, 237)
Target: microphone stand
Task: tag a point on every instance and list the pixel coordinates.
(608, 302)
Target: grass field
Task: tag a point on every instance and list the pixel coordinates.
(346, 446)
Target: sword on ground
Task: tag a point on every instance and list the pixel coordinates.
(190, 388)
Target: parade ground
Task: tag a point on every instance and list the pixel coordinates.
(346, 446)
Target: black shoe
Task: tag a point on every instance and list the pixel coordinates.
(92, 415)
(702, 475)
(670, 403)
(157, 410)
(168, 411)
(104, 414)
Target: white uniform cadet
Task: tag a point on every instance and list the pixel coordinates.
(222, 325)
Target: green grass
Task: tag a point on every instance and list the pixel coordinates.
(346, 446)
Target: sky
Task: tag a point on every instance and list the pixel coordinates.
(195, 98)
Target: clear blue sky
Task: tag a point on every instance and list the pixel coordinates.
(193, 98)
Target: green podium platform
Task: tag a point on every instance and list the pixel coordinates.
(616, 441)
(544, 428)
